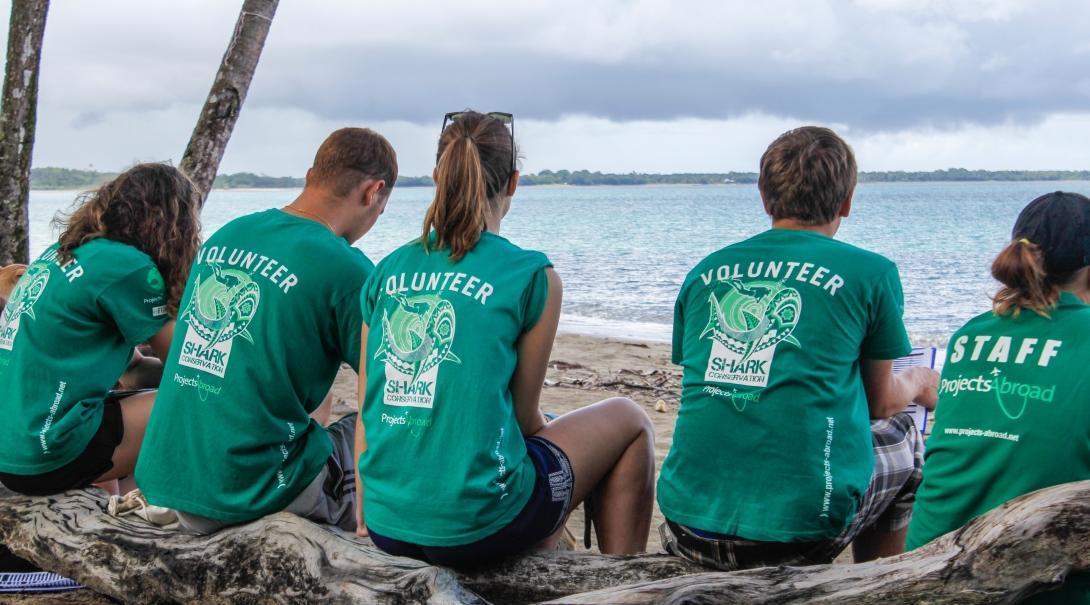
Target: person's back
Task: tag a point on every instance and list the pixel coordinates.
(457, 463)
(786, 340)
(1014, 399)
(61, 307)
(269, 314)
(774, 419)
(488, 299)
(74, 414)
(259, 347)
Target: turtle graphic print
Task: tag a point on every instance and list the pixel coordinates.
(417, 338)
(746, 322)
(220, 309)
(26, 293)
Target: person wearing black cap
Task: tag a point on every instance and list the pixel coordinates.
(1014, 400)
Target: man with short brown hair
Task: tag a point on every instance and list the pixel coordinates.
(270, 312)
(787, 341)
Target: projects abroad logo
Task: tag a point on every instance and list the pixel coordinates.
(220, 309)
(194, 382)
(415, 425)
(746, 324)
(740, 399)
(417, 336)
(27, 292)
(1013, 397)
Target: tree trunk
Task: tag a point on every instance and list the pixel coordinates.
(18, 117)
(220, 112)
(1028, 545)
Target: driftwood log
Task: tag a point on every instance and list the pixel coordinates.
(1026, 546)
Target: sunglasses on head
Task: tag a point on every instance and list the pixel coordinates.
(506, 119)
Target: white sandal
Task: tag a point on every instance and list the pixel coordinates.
(134, 503)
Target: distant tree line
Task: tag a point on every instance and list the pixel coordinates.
(67, 178)
(961, 174)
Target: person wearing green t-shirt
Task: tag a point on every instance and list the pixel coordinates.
(457, 463)
(72, 414)
(787, 341)
(1014, 399)
(269, 314)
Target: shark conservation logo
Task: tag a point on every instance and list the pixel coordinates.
(417, 336)
(745, 325)
(220, 309)
(23, 297)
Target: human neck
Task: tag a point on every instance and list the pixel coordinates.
(319, 207)
(828, 229)
(1079, 287)
(494, 214)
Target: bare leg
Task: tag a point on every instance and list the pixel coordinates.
(135, 411)
(870, 544)
(611, 448)
(111, 487)
(126, 485)
(322, 413)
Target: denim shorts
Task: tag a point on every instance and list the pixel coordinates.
(541, 517)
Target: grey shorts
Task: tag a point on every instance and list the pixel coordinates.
(329, 499)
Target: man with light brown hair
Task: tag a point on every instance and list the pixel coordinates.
(790, 442)
(270, 312)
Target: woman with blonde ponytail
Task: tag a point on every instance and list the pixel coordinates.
(1014, 400)
(458, 465)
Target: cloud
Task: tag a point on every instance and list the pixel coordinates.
(124, 79)
(875, 64)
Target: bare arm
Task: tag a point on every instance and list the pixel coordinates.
(361, 438)
(534, 348)
(160, 341)
(889, 393)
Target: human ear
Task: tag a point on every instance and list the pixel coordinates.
(846, 207)
(371, 191)
(513, 183)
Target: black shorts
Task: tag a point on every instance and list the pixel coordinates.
(95, 461)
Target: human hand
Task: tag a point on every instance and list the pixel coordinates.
(927, 384)
(8, 276)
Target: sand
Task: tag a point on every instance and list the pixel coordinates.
(586, 369)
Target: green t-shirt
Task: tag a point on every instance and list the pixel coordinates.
(268, 315)
(446, 461)
(773, 440)
(1013, 416)
(66, 336)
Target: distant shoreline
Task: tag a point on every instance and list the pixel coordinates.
(77, 190)
(66, 179)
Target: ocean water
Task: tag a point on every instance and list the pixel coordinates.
(623, 252)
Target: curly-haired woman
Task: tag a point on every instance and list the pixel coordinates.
(71, 326)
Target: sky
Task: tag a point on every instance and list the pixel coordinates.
(610, 85)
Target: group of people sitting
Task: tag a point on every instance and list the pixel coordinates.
(130, 350)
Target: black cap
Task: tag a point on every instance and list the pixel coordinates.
(1059, 223)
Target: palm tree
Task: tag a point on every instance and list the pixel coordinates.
(18, 116)
(217, 120)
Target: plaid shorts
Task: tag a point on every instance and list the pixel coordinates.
(886, 507)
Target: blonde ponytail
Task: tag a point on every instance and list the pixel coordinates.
(474, 168)
(458, 212)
